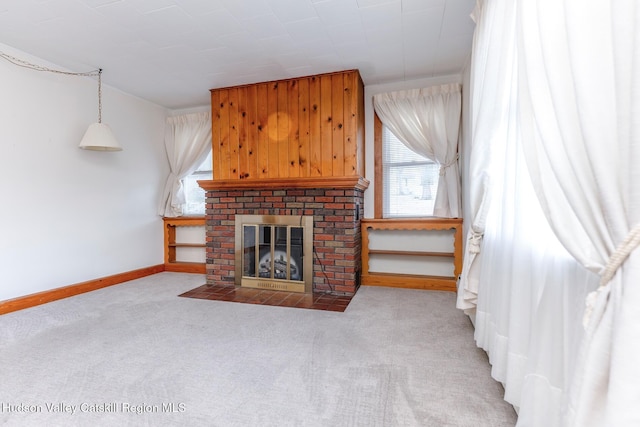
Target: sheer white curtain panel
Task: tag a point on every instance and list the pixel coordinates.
(188, 142)
(428, 122)
(492, 75)
(528, 317)
(528, 288)
(580, 112)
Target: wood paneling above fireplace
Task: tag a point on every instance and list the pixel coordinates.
(290, 148)
(300, 128)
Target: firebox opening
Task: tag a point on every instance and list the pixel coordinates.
(274, 252)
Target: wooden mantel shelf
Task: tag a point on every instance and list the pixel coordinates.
(347, 182)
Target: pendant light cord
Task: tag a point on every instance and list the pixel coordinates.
(25, 64)
(93, 73)
(100, 95)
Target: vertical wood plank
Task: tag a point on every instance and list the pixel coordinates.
(360, 143)
(225, 160)
(215, 133)
(303, 126)
(263, 130)
(243, 153)
(294, 136)
(234, 138)
(350, 124)
(337, 114)
(326, 125)
(252, 132)
(272, 130)
(315, 139)
(283, 130)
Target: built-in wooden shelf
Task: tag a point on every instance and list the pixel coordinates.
(170, 245)
(415, 281)
(410, 253)
(187, 245)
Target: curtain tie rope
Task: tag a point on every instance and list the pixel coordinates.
(474, 242)
(629, 244)
(617, 258)
(446, 165)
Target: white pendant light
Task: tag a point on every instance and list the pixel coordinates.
(99, 136)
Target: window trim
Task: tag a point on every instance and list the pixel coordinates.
(378, 177)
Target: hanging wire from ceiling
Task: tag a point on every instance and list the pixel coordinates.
(25, 64)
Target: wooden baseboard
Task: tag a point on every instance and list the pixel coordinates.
(409, 282)
(186, 267)
(44, 297)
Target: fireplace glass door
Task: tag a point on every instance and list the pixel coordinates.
(273, 253)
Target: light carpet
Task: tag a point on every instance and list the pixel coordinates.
(136, 354)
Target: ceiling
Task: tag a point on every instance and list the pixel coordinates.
(171, 52)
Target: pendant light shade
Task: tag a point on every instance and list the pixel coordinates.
(99, 138)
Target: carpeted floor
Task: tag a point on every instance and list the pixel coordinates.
(136, 354)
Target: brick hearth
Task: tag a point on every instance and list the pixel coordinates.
(336, 232)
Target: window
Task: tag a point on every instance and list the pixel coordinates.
(194, 194)
(408, 181)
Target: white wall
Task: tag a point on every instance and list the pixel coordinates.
(371, 90)
(191, 110)
(68, 215)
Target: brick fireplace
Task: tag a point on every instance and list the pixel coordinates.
(291, 147)
(336, 216)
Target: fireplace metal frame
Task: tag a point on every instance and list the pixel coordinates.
(306, 223)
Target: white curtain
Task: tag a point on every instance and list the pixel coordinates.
(529, 311)
(188, 142)
(428, 122)
(557, 157)
(492, 78)
(579, 106)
